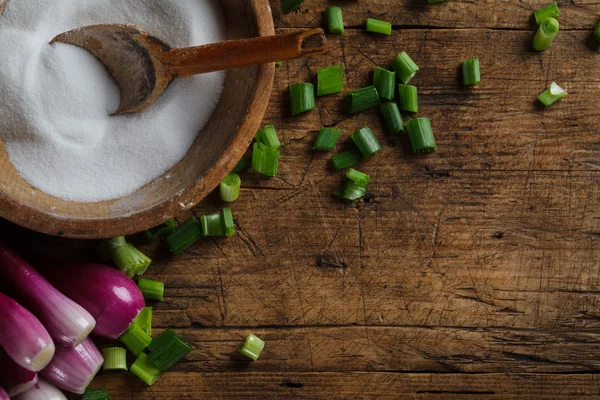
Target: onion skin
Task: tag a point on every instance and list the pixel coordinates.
(42, 391)
(73, 369)
(23, 336)
(109, 295)
(67, 322)
(14, 378)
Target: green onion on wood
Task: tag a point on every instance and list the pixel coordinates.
(421, 135)
(552, 95)
(268, 137)
(229, 188)
(545, 34)
(95, 394)
(135, 339)
(330, 80)
(144, 320)
(405, 67)
(152, 290)
(253, 347)
(327, 139)
(302, 97)
(363, 99)
(471, 74)
(377, 26)
(392, 117)
(549, 11)
(241, 166)
(163, 230)
(145, 369)
(187, 234)
(409, 99)
(366, 142)
(335, 20)
(212, 224)
(228, 224)
(346, 159)
(167, 349)
(265, 160)
(115, 359)
(287, 6)
(355, 187)
(385, 83)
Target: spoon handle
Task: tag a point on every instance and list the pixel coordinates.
(245, 52)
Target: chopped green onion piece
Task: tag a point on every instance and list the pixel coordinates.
(268, 137)
(385, 83)
(145, 369)
(115, 359)
(377, 26)
(421, 135)
(597, 31)
(287, 6)
(405, 67)
(360, 178)
(241, 166)
(265, 160)
(152, 290)
(552, 95)
(366, 142)
(185, 236)
(409, 100)
(302, 97)
(549, 11)
(228, 224)
(163, 230)
(545, 34)
(229, 189)
(363, 99)
(212, 225)
(346, 159)
(330, 80)
(335, 19)
(107, 247)
(96, 394)
(278, 63)
(351, 191)
(392, 117)
(135, 339)
(471, 74)
(327, 139)
(252, 347)
(130, 260)
(144, 320)
(167, 349)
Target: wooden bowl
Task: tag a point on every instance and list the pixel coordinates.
(233, 125)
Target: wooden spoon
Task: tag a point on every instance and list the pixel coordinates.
(143, 66)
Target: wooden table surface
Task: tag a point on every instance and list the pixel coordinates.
(471, 273)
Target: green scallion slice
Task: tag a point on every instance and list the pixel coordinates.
(549, 11)
(163, 230)
(363, 99)
(360, 178)
(130, 260)
(185, 236)
(421, 135)
(144, 320)
(351, 191)
(265, 160)
(330, 80)
(96, 394)
(405, 67)
(167, 349)
(151, 290)
(302, 97)
(135, 339)
(278, 63)
(597, 31)
(366, 142)
(253, 347)
(545, 34)
(241, 166)
(346, 159)
(287, 6)
(115, 359)
(212, 225)
(145, 369)
(228, 223)
(409, 99)
(327, 139)
(268, 137)
(552, 95)
(335, 20)
(385, 83)
(229, 188)
(392, 117)
(377, 26)
(471, 74)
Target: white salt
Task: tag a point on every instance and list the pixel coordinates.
(56, 101)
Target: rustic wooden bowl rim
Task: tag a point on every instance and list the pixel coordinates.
(138, 221)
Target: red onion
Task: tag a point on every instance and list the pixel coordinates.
(42, 391)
